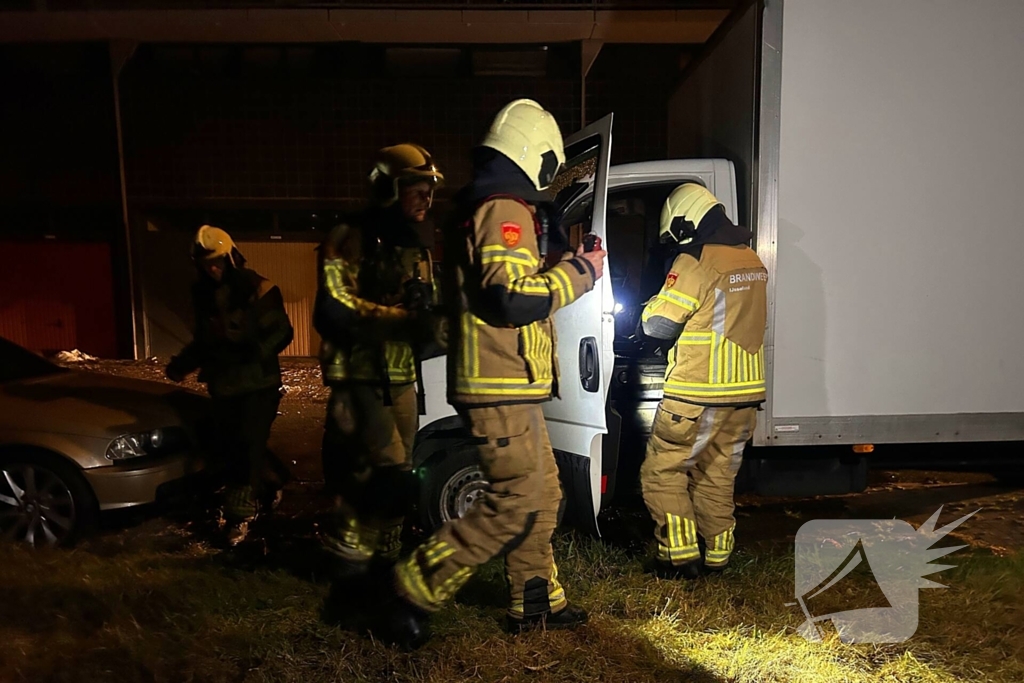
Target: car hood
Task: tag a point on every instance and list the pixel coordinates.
(93, 404)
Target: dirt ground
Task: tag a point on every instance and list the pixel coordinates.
(151, 599)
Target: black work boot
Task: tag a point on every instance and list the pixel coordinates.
(568, 617)
(401, 623)
(349, 602)
(664, 570)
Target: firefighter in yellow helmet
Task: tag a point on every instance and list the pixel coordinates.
(502, 366)
(240, 329)
(376, 283)
(712, 310)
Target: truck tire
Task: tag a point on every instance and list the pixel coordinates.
(450, 482)
(44, 500)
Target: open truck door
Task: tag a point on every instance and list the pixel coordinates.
(585, 330)
(446, 460)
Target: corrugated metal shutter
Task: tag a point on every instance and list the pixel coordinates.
(292, 267)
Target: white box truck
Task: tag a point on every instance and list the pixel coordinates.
(876, 149)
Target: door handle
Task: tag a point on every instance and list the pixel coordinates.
(590, 365)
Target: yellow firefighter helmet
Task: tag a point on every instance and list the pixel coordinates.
(683, 211)
(400, 164)
(211, 243)
(528, 135)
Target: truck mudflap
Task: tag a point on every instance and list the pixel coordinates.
(577, 497)
(803, 476)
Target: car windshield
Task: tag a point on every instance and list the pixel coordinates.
(17, 363)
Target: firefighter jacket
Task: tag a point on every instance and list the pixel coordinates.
(241, 327)
(713, 306)
(368, 265)
(501, 336)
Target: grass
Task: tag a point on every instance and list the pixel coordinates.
(165, 607)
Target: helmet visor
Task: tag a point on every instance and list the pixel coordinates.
(549, 169)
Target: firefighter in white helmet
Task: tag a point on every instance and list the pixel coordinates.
(376, 285)
(240, 328)
(712, 310)
(502, 366)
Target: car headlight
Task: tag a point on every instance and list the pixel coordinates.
(135, 445)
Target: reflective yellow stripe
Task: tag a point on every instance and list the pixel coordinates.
(398, 358)
(713, 362)
(505, 258)
(721, 360)
(556, 595)
(721, 546)
(702, 388)
(474, 368)
(452, 585)
(695, 338)
(679, 299)
(413, 583)
(532, 288)
(521, 387)
(562, 284)
(678, 555)
(733, 376)
(468, 347)
(438, 553)
(520, 253)
(570, 293)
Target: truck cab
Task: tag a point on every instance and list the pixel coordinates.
(610, 385)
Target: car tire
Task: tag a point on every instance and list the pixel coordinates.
(44, 500)
(450, 482)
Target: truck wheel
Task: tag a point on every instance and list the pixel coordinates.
(44, 501)
(451, 481)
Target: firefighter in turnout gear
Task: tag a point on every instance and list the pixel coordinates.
(712, 309)
(502, 366)
(375, 283)
(241, 327)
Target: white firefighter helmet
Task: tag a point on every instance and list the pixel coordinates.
(211, 243)
(528, 135)
(683, 210)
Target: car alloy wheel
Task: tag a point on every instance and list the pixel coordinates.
(36, 505)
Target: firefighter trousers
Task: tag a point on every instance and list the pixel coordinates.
(688, 477)
(515, 518)
(241, 430)
(367, 458)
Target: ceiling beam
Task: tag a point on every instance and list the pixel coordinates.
(370, 26)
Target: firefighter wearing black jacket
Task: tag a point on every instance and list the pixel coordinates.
(241, 327)
(369, 311)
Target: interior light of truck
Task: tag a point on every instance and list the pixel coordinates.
(864, 448)
(617, 308)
